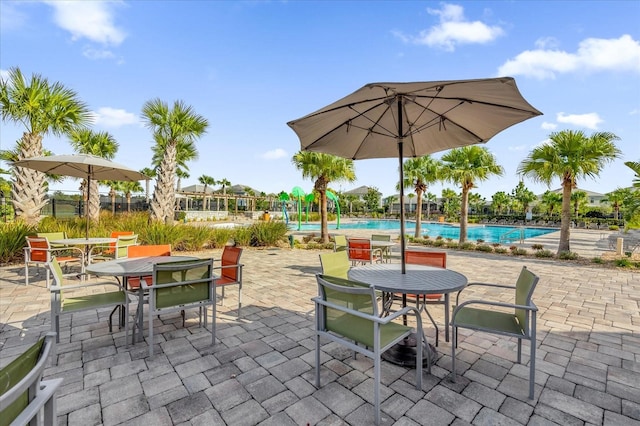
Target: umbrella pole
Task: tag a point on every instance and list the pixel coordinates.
(401, 168)
(86, 207)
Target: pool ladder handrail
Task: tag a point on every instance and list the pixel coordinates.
(503, 238)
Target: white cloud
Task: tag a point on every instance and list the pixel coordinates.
(621, 54)
(274, 154)
(454, 29)
(517, 148)
(92, 20)
(634, 112)
(92, 53)
(590, 120)
(111, 117)
(549, 126)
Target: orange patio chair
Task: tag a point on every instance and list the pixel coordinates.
(39, 252)
(360, 251)
(133, 283)
(230, 272)
(429, 258)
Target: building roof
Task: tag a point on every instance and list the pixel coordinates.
(361, 190)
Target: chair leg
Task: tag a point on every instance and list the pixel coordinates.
(532, 361)
(376, 385)
(433, 322)
(454, 343)
(420, 344)
(150, 333)
(26, 273)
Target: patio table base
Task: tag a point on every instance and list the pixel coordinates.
(404, 353)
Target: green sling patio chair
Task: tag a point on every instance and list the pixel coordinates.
(177, 286)
(520, 323)
(386, 251)
(335, 264)
(70, 298)
(339, 243)
(347, 313)
(23, 393)
(116, 250)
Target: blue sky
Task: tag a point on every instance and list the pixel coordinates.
(249, 67)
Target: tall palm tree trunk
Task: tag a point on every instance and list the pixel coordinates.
(28, 191)
(324, 228)
(164, 196)
(464, 213)
(93, 205)
(418, 232)
(565, 220)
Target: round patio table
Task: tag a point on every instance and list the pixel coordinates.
(419, 280)
(127, 267)
(87, 242)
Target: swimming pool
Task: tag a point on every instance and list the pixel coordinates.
(488, 233)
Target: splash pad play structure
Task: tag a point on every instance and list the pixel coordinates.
(298, 195)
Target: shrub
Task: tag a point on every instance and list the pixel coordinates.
(452, 244)
(438, 243)
(314, 246)
(242, 236)
(309, 237)
(543, 253)
(427, 242)
(623, 263)
(513, 248)
(597, 260)
(519, 252)
(568, 255)
(12, 240)
(484, 247)
(220, 237)
(537, 246)
(479, 241)
(267, 233)
(197, 238)
(161, 233)
(467, 245)
(613, 227)
(500, 250)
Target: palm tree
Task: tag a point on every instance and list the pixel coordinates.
(551, 200)
(578, 198)
(42, 108)
(635, 166)
(101, 144)
(476, 201)
(225, 183)
(569, 155)
(130, 188)
(419, 172)
(466, 166)
(616, 198)
(114, 187)
(172, 128)
(523, 196)
(324, 168)
(431, 198)
(450, 202)
(151, 172)
(206, 181)
(500, 201)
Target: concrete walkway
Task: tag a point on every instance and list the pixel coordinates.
(261, 370)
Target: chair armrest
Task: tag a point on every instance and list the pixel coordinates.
(531, 307)
(67, 248)
(483, 285)
(57, 288)
(381, 320)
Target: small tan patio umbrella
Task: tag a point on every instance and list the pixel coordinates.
(85, 166)
(388, 120)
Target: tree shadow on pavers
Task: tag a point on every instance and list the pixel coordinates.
(305, 269)
(37, 274)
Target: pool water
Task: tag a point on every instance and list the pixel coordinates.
(488, 233)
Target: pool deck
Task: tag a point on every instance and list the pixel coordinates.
(261, 371)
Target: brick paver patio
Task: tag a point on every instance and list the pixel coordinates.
(261, 370)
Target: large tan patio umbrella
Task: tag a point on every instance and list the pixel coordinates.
(388, 120)
(89, 167)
